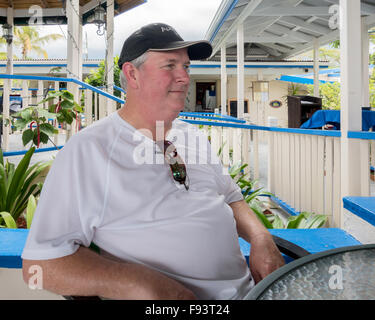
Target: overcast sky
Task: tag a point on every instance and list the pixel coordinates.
(191, 19)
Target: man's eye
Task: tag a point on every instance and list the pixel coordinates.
(169, 66)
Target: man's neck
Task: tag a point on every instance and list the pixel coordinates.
(154, 129)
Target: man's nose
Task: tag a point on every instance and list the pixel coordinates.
(183, 75)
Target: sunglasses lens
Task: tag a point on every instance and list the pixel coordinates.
(176, 164)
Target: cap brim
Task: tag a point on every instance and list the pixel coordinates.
(197, 50)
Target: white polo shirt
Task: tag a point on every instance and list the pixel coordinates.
(110, 185)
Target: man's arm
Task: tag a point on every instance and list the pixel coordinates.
(85, 273)
(264, 256)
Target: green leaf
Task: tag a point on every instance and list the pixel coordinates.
(18, 178)
(316, 222)
(294, 221)
(27, 136)
(43, 138)
(262, 218)
(31, 206)
(8, 219)
(278, 223)
(3, 186)
(48, 129)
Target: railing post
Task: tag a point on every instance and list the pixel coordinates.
(226, 160)
(88, 107)
(256, 156)
(6, 127)
(271, 162)
(246, 149)
(25, 94)
(364, 167)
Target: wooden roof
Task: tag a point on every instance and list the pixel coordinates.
(52, 9)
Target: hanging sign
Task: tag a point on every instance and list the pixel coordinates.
(276, 104)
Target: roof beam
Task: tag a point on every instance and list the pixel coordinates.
(275, 47)
(88, 6)
(271, 51)
(334, 35)
(299, 36)
(47, 12)
(292, 11)
(248, 10)
(309, 26)
(271, 39)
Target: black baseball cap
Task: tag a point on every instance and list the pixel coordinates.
(161, 37)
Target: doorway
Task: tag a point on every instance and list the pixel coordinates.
(205, 97)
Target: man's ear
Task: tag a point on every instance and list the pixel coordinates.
(131, 74)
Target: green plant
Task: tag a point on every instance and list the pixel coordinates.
(17, 184)
(305, 220)
(251, 196)
(63, 111)
(330, 94)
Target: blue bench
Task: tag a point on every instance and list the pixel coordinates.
(363, 207)
(312, 240)
(12, 242)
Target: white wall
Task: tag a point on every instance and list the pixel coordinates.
(358, 228)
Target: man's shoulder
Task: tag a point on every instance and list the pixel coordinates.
(99, 134)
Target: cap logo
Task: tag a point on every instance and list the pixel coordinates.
(163, 29)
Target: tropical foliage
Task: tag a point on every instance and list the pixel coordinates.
(330, 94)
(98, 77)
(305, 220)
(19, 187)
(29, 40)
(36, 118)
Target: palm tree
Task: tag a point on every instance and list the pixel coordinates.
(29, 40)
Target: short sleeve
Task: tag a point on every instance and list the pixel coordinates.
(70, 204)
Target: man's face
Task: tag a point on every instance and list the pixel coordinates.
(164, 82)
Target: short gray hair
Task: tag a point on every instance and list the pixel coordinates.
(137, 62)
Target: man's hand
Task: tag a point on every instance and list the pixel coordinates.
(264, 257)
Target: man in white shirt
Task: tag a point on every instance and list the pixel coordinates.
(164, 215)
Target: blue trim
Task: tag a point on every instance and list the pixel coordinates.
(361, 135)
(12, 242)
(301, 80)
(283, 205)
(227, 125)
(22, 152)
(315, 132)
(184, 114)
(232, 66)
(64, 65)
(83, 84)
(119, 89)
(229, 11)
(363, 207)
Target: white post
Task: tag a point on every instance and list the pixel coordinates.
(351, 96)
(316, 68)
(111, 106)
(74, 49)
(224, 80)
(240, 72)
(365, 66)
(7, 84)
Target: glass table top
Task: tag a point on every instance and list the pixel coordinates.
(339, 274)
